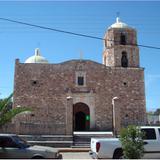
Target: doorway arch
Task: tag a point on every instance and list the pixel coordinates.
(81, 117)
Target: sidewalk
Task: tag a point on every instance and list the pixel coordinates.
(73, 149)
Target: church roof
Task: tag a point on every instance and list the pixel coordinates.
(119, 24)
(37, 58)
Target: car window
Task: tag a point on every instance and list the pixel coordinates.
(159, 130)
(7, 142)
(149, 133)
(21, 141)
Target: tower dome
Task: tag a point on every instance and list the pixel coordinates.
(119, 24)
(37, 58)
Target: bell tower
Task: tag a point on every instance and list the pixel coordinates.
(120, 46)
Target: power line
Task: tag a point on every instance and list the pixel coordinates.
(151, 47)
(67, 32)
(52, 29)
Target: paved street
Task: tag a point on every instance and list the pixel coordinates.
(76, 155)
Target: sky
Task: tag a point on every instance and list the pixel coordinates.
(84, 17)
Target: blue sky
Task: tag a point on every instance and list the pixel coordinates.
(85, 17)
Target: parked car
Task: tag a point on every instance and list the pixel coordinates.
(12, 146)
(111, 147)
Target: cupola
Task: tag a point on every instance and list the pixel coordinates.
(119, 24)
(37, 58)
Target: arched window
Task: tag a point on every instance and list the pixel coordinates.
(123, 39)
(124, 60)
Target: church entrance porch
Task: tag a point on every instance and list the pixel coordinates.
(81, 117)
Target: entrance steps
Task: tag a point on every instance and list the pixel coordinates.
(77, 140)
(49, 140)
(82, 139)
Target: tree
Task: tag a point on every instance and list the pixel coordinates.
(7, 113)
(132, 142)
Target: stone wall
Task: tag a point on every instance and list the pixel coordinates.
(8, 128)
(45, 88)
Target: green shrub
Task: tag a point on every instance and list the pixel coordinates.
(132, 142)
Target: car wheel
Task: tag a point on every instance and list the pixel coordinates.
(118, 154)
(60, 157)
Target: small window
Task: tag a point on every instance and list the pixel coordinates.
(124, 60)
(149, 134)
(126, 116)
(80, 81)
(123, 39)
(124, 83)
(34, 82)
(32, 115)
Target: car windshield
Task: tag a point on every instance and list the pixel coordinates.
(21, 141)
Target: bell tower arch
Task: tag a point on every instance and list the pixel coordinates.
(120, 46)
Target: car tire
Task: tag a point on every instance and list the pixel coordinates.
(60, 157)
(93, 155)
(118, 154)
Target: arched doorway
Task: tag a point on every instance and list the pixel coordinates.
(81, 117)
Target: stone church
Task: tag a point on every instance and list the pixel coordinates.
(83, 95)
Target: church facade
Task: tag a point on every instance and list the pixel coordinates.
(83, 95)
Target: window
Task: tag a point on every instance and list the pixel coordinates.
(123, 39)
(124, 60)
(125, 83)
(149, 134)
(34, 82)
(159, 130)
(126, 116)
(81, 81)
(7, 142)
